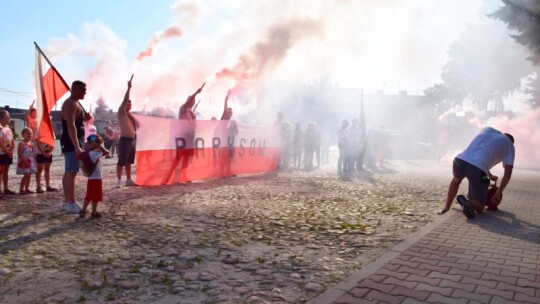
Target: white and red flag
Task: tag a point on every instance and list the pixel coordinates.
(171, 151)
(50, 87)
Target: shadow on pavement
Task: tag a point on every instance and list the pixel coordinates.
(506, 223)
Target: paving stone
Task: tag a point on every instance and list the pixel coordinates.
(508, 295)
(394, 281)
(384, 297)
(451, 284)
(500, 278)
(524, 298)
(438, 269)
(518, 289)
(409, 293)
(367, 283)
(528, 283)
(445, 291)
(437, 298)
(451, 277)
(359, 292)
(471, 296)
(350, 299)
(473, 274)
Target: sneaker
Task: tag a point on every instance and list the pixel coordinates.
(73, 208)
(119, 184)
(130, 183)
(51, 189)
(467, 209)
(95, 215)
(63, 206)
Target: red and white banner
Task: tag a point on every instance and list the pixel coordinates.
(171, 151)
(50, 87)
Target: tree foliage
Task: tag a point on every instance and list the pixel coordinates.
(484, 66)
(102, 106)
(524, 17)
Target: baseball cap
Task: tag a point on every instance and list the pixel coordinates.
(94, 139)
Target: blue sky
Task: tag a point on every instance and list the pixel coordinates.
(23, 22)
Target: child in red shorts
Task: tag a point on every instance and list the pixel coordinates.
(94, 188)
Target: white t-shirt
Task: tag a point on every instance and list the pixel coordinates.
(489, 148)
(95, 155)
(7, 136)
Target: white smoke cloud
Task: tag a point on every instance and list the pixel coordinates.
(370, 44)
(96, 56)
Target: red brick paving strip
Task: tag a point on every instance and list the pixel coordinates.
(493, 258)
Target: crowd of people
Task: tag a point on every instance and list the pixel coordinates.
(306, 149)
(34, 157)
(310, 148)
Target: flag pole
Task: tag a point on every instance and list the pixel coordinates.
(52, 66)
(362, 113)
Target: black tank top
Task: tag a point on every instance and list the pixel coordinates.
(65, 141)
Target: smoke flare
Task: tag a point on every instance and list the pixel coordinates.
(267, 54)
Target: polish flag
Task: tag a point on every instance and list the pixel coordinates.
(50, 87)
(171, 151)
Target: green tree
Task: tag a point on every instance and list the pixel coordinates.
(102, 106)
(523, 16)
(484, 66)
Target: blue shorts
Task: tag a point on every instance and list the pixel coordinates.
(478, 179)
(71, 164)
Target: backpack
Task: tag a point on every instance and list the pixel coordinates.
(86, 163)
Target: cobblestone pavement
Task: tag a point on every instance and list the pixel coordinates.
(494, 258)
(273, 238)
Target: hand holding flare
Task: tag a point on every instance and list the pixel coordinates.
(227, 98)
(200, 89)
(129, 82)
(227, 112)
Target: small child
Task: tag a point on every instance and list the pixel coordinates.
(26, 164)
(94, 188)
(44, 152)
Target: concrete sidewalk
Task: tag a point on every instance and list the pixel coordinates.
(494, 258)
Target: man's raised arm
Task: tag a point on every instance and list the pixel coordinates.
(126, 97)
(226, 104)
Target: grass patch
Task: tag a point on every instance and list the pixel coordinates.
(361, 227)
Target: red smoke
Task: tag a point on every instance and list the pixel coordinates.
(169, 33)
(526, 131)
(268, 53)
